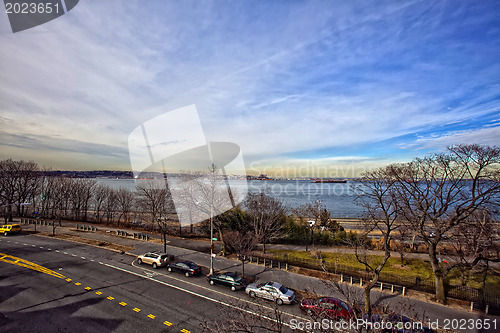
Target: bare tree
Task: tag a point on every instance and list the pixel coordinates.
(313, 215)
(125, 201)
(377, 196)
(244, 318)
(439, 193)
(205, 196)
(101, 192)
(267, 216)
(241, 242)
(19, 181)
(156, 202)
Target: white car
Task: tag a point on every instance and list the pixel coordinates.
(155, 259)
(273, 291)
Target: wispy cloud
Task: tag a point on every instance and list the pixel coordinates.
(279, 79)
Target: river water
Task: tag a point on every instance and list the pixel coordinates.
(338, 198)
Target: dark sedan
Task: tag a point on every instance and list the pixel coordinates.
(329, 307)
(231, 280)
(189, 268)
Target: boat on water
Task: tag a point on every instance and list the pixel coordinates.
(337, 181)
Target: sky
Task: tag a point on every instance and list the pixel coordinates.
(304, 88)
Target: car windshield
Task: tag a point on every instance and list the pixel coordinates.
(283, 290)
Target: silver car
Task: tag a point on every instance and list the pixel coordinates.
(273, 291)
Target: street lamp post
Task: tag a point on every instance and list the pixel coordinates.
(211, 243)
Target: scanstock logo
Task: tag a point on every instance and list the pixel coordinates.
(205, 184)
(26, 14)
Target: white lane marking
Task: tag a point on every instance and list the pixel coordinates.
(83, 258)
(209, 298)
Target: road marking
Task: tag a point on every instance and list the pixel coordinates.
(152, 316)
(122, 303)
(136, 309)
(28, 264)
(88, 288)
(167, 323)
(57, 251)
(49, 249)
(185, 331)
(78, 284)
(212, 299)
(110, 298)
(98, 293)
(25, 244)
(68, 279)
(74, 255)
(65, 252)
(83, 258)
(41, 247)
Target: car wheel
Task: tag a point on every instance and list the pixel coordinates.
(252, 294)
(233, 288)
(187, 274)
(212, 282)
(155, 266)
(169, 269)
(279, 301)
(139, 261)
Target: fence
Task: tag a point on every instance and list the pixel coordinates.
(480, 299)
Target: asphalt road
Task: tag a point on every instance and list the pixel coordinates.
(36, 301)
(78, 288)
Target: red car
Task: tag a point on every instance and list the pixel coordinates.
(329, 307)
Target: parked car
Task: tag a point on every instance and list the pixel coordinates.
(189, 268)
(329, 307)
(232, 280)
(271, 290)
(10, 229)
(155, 259)
(403, 324)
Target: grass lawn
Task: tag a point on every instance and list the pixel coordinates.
(413, 267)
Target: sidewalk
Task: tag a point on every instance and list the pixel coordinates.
(178, 247)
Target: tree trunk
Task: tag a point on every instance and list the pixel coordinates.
(243, 267)
(368, 289)
(164, 242)
(438, 273)
(440, 294)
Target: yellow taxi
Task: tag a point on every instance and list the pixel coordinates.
(10, 229)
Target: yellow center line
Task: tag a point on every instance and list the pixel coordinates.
(88, 288)
(167, 323)
(68, 279)
(151, 316)
(185, 331)
(78, 284)
(98, 293)
(110, 298)
(122, 303)
(136, 309)
(28, 264)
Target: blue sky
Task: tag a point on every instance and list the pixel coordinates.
(321, 88)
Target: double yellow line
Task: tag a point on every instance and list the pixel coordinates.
(28, 264)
